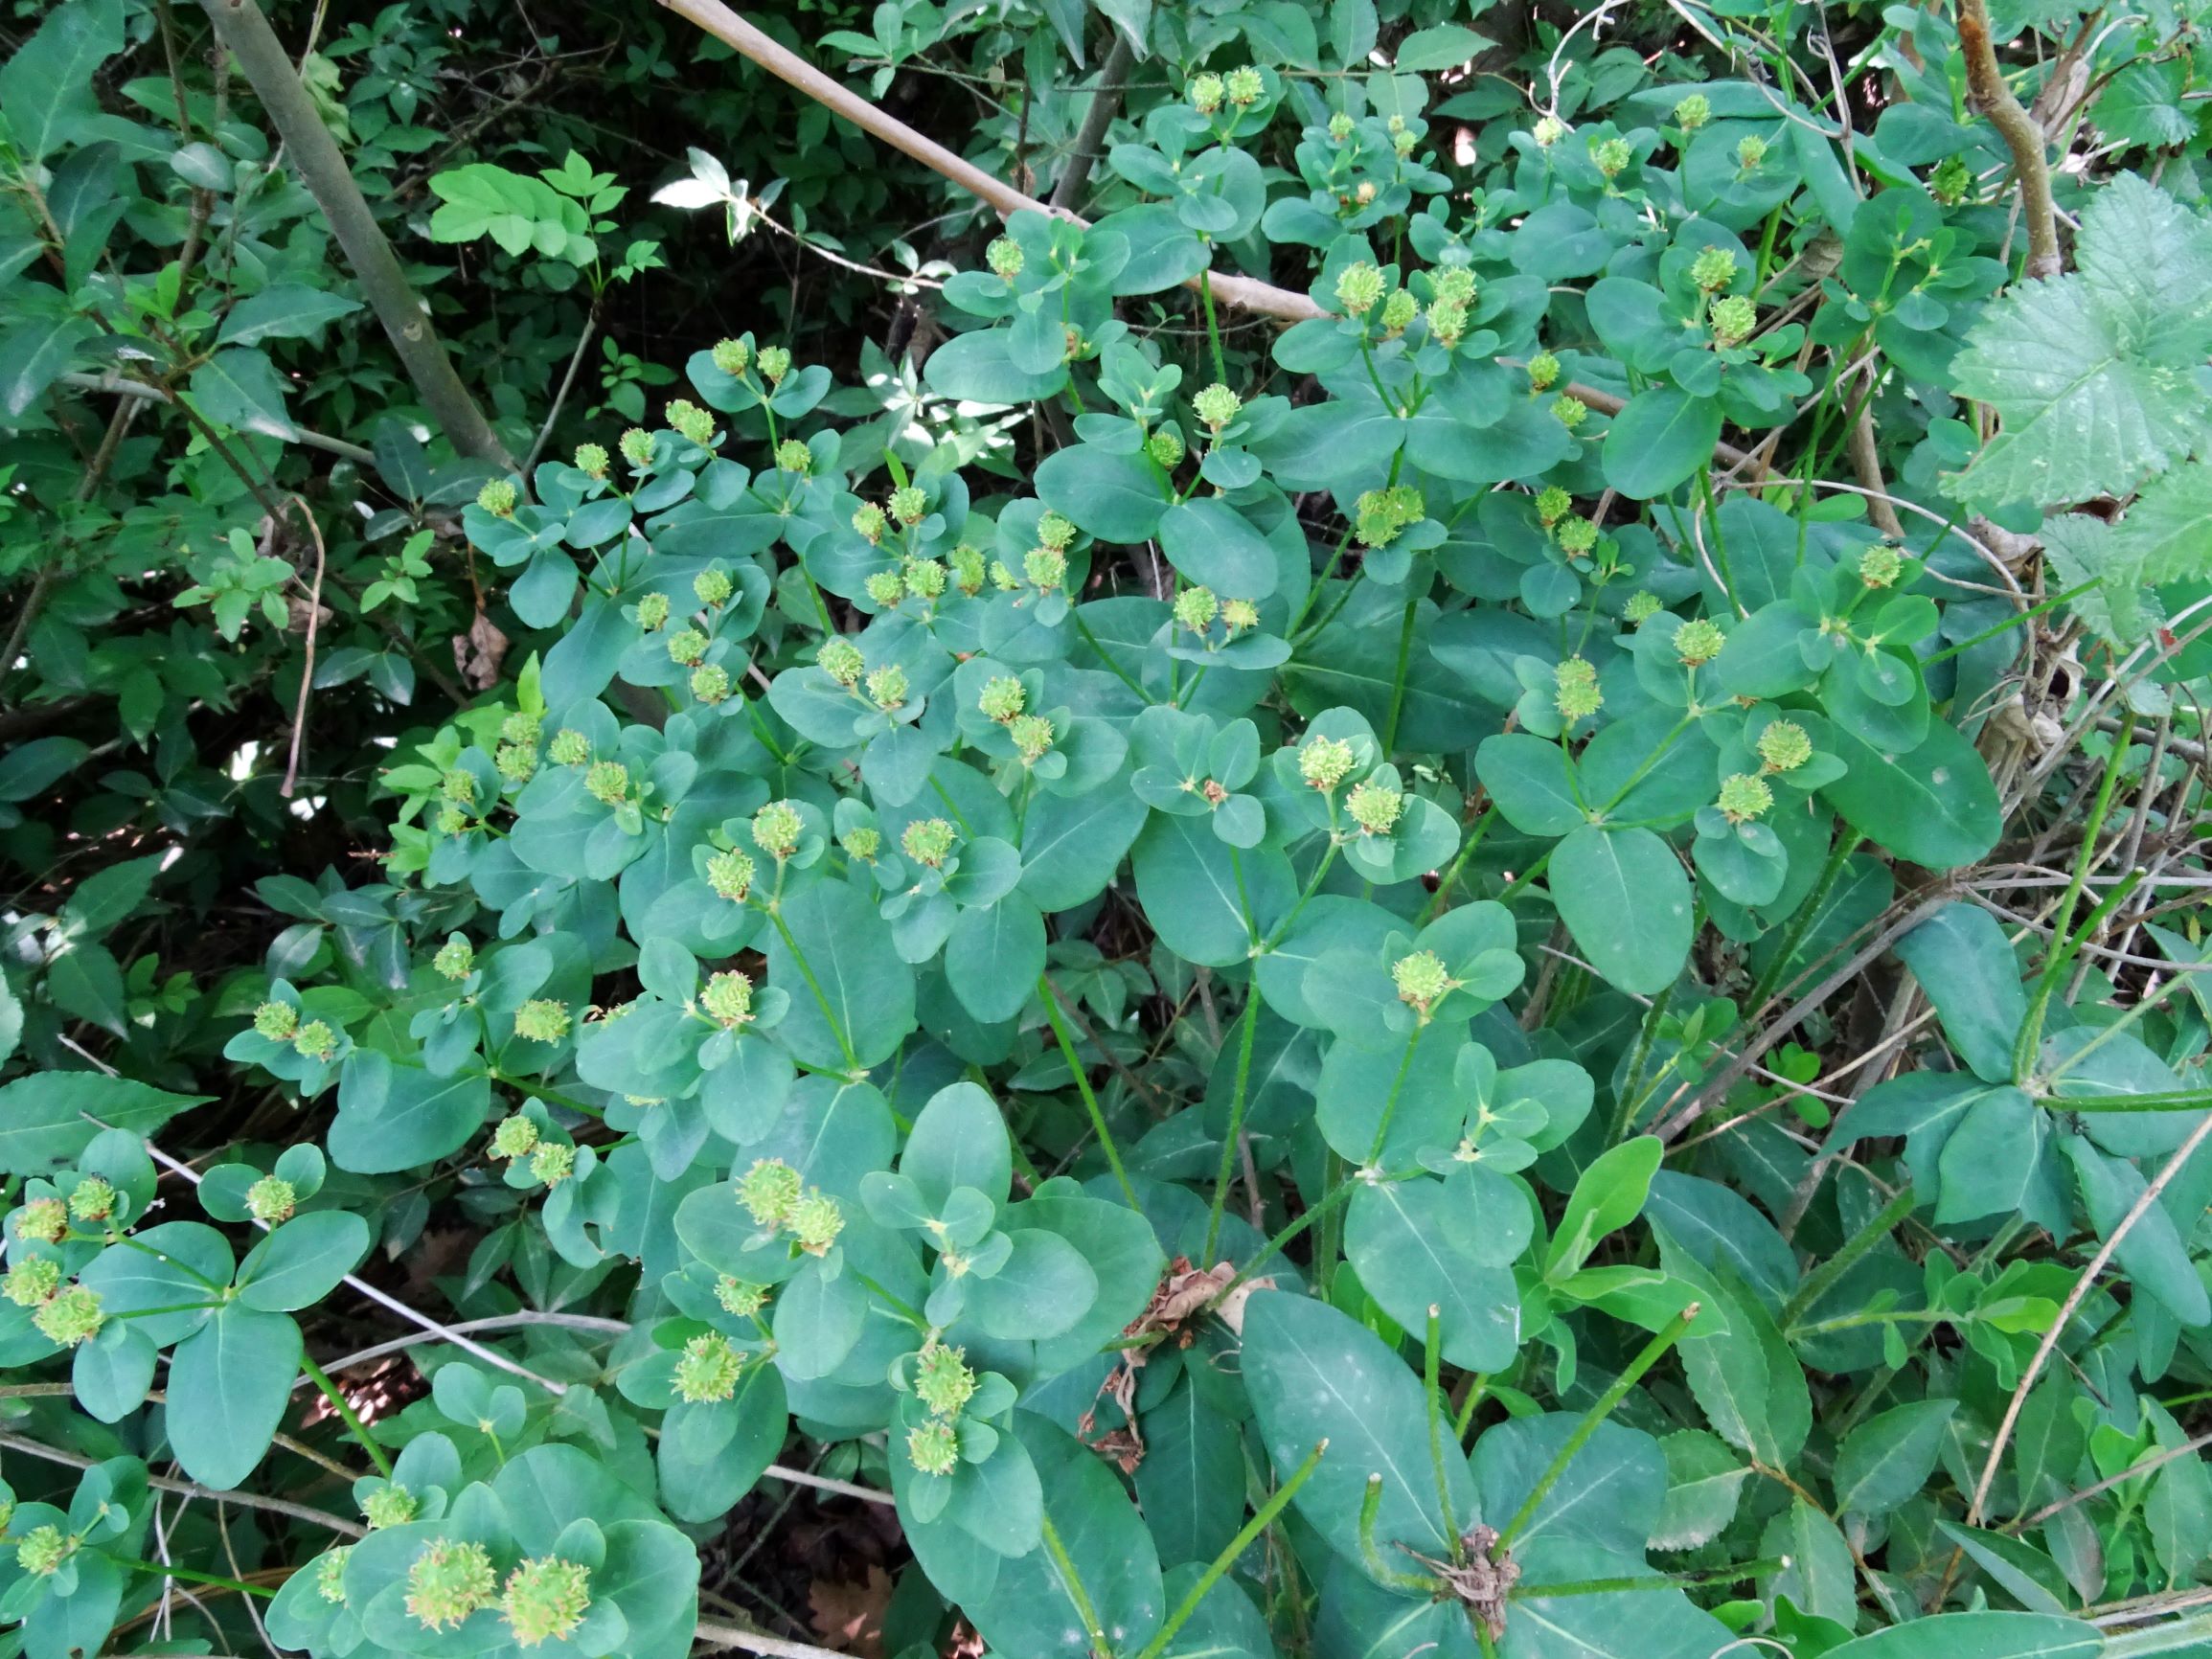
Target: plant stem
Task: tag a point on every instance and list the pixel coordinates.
(1050, 994)
(344, 1410)
(1262, 1519)
(1227, 1172)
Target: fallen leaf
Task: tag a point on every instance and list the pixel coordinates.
(849, 1617)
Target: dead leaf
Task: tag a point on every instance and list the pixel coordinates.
(849, 1617)
(478, 653)
(1180, 1299)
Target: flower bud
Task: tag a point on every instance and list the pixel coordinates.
(842, 660)
(276, 1020)
(498, 498)
(92, 1199)
(1244, 86)
(793, 456)
(1744, 797)
(1215, 406)
(45, 1220)
(909, 505)
(925, 578)
(886, 587)
(1205, 93)
(934, 1447)
(637, 445)
(1612, 157)
(1698, 642)
(732, 356)
(450, 1580)
(777, 829)
(928, 841)
(1733, 317)
(868, 522)
(1783, 746)
(1002, 698)
(1398, 311)
(1714, 269)
(775, 364)
(1341, 126)
(693, 422)
(542, 1020)
(968, 571)
(1571, 412)
(1375, 807)
(43, 1551)
(730, 873)
(711, 684)
(1553, 504)
(1750, 151)
(71, 1317)
(864, 842)
(390, 1505)
(1358, 288)
(32, 1282)
(1239, 616)
(272, 1199)
(1325, 762)
(1543, 371)
(591, 459)
(607, 782)
(816, 1221)
(1643, 605)
(739, 1296)
(552, 1163)
(1577, 535)
(708, 1369)
(315, 1040)
(887, 687)
(688, 646)
(1005, 258)
(1196, 609)
(1880, 566)
(331, 1575)
(545, 1600)
(515, 1137)
(569, 747)
(942, 1379)
(1423, 981)
(1046, 567)
(728, 999)
(1550, 130)
(1693, 112)
(1033, 735)
(769, 1190)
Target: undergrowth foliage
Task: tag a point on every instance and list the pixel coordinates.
(1396, 985)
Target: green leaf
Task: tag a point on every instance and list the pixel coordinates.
(1044, 1288)
(958, 1140)
(1821, 1578)
(1979, 1636)
(1888, 1458)
(852, 998)
(36, 353)
(993, 957)
(1623, 896)
(1966, 966)
(1314, 1373)
(1658, 442)
(1609, 1494)
(1211, 542)
(1608, 1196)
(302, 1261)
(1705, 1483)
(398, 1117)
(1532, 782)
(977, 368)
(282, 312)
(1113, 497)
(1071, 845)
(1935, 806)
(711, 1455)
(45, 1119)
(1195, 888)
(2090, 372)
(240, 388)
(229, 1385)
(1031, 1611)
(1398, 1235)
(46, 87)
(1446, 46)
(1192, 1479)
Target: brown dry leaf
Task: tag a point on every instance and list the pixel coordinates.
(849, 1617)
(478, 653)
(1181, 1297)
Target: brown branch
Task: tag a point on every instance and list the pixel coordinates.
(1990, 93)
(1067, 194)
(238, 24)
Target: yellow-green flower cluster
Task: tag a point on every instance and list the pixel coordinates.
(1002, 698)
(1642, 606)
(277, 1020)
(1693, 112)
(741, 1296)
(708, 1369)
(569, 747)
(1543, 371)
(777, 829)
(943, 1383)
(542, 1020)
(92, 1199)
(732, 356)
(545, 1600)
(1215, 406)
(70, 1317)
(1714, 269)
(456, 958)
(1033, 736)
(1166, 447)
(1380, 515)
(1575, 690)
(927, 841)
(1005, 258)
(1783, 746)
(498, 498)
(693, 422)
(1196, 609)
(515, 1137)
(607, 782)
(1744, 797)
(390, 1505)
(1880, 566)
(1375, 807)
(1698, 642)
(727, 997)
(448, 1581)
(41, 1551)
(554, 1161)
(1358, 288)
(272, 1199)
(887, 687)
(31, 1282)
(592, 460)
(636, 446)
(1732, 319)
(1423, 981)
(730, 873)
(793, 456)
(775, 364)
(1325, 762)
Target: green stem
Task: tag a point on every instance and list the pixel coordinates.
(1072, 1582)
(1262, 1519)
(1105, 1140)
(1397, 680)
(1816, 1284)
(344, 1410)
(828, 1013)
(189, 1577)
(1379, 1569)
(1658, 1581)
(1596, 1415)
(2031, 1033)
(1432, 1393)
(1228, 1166)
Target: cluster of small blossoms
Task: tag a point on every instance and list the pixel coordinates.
(708, 1369)
(927, 841)
(1553, 504)
(331, 1575)
(1215, 406)
(862, 841)
(92, 1201)
(1713, 271)
(1642, 606)
(727, 998)
(688, 646)
(1033, 736)
(1423, 981)
(1325, 762)
(1576, 535)
(33, 1282)
(1543, 371)
(842, 660)
(775, 364)
(545, 1600)
(1611, 157)
(943, 1383)
(1358, 288)
(1398, 311)
(1195, 607)
(515, 1137)
(1375, 807)
(390, 1505)
(542, 1020)
(1698, 642)
(694, 423)
(45, 1220)
(741, 1296)
(967, 570)
(1880, 566)
(272, 1199)
(773, 1194)
(1744, 797)
(1783, 746)
(793, 456)
(1002, 698)
(1166, 447)
(1732, 318)
(498, 498)
(887, 687)
(280, 1022)
(1380, 515)
(1549, 131)
(925, 578)
(1005, 258)
(730, 873)
(70, 1316)
(448, 1581)
(607, 782)
(711, 684)
(1239, 88)
(553, 1161)
(592, 460)
(41, 1551)
(1570, 412)
(1693, 112)
(1951, 181)
(1750, 151)
(1575, 690)
(569, 747)
(636, 446)
(777, 829)
(732, 356)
